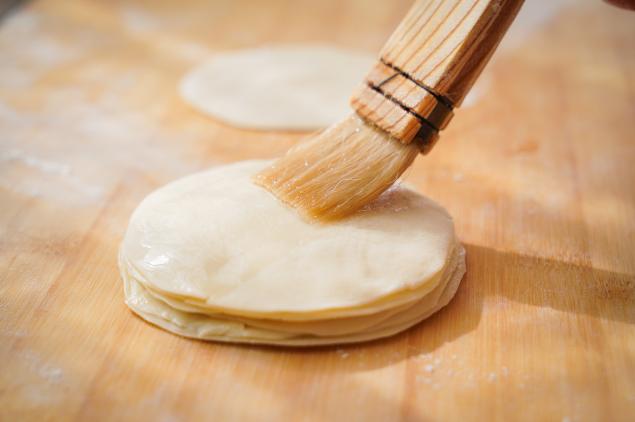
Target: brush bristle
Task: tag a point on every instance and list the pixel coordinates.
(338, 171)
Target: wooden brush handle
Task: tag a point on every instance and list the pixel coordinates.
(429, 64)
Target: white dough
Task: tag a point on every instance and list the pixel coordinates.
(214, 256)
(284, 87)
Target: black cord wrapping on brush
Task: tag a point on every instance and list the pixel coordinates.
(431, 123)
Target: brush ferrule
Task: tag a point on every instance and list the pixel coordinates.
(401, 106)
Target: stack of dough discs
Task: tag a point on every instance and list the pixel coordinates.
(301, 87)
(213, 256)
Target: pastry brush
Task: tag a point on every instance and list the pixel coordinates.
(424, 71)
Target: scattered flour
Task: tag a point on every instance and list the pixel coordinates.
(64, 142)
(45, 370)
(45, 166)
(29, 50)
(343, 353)
(51, 151)
(430, 371)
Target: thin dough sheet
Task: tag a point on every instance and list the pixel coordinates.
(294, 87)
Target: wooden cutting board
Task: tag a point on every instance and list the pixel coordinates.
(538, 170)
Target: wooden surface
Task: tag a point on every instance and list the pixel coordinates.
(537, 169)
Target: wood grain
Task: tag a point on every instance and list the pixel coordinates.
(537, 172)
(445, 44)
(429, 64)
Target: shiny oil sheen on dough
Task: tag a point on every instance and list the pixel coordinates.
(214, 256)
(302, 87)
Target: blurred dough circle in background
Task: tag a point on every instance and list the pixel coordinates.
(293, 87)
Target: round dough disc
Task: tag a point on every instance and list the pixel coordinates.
(284, 87)
(214, 256)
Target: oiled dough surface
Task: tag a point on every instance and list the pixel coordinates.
(294, 87)
(222, 242)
